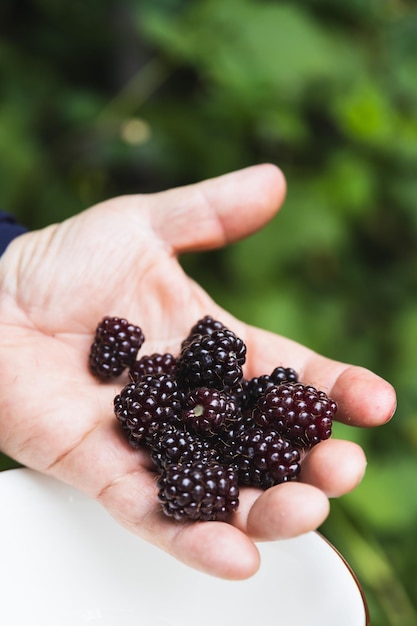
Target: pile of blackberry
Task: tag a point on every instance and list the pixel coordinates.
(208, 429)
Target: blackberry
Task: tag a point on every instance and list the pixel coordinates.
(212, 361)
(284, 375)
(265, 458)
(240, 393)
(146, 407)
(115, 347)
(257, 386)
(208, 410)
(300, 412)
(228, 442)
(198, 491)
(152, 364)
(173, 445)
(205, 326)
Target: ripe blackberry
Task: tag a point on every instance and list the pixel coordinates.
(240, 393)
(212, 361)
(228, 443)
(257, 386)
(146, 407)
(300, 412)
(205, 326)
(199, 491)
(174, 445)
(208, 410)
(265, 458)
(152, 365)
(115, 347)
(284, 375)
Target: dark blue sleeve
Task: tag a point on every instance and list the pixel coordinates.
(9, 229)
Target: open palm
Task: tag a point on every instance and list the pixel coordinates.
(120, 258)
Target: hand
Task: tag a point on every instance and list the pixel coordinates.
(119, 258)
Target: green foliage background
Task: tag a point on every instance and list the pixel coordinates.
(102, 98)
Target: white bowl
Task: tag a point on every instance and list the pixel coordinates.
(65, 562)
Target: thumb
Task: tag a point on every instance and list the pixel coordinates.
(215, 212)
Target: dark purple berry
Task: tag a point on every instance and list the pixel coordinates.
(115, 347)
(208, 410)
(265, 458)
(205, 326)
(200, 491)
(212, 361)
(240, 393)
(283, 375)
(228, 443)
(152, 365)
(257, 386)
(174, 445)
(299, 412)
(148, 406)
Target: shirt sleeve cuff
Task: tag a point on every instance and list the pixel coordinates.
(9, 229)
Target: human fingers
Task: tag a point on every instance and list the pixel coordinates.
(334, 466)
(330, 469)
(281, 512)
(216, 548)
(363, 398)
(215, 212)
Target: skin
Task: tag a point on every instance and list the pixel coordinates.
(120, 258)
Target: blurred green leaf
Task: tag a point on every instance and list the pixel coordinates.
(364, 113)
(380, 501)
(6, 463)
(22, 156)
(253, 49)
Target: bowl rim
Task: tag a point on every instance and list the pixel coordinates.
(349, 568)
(352, 573)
